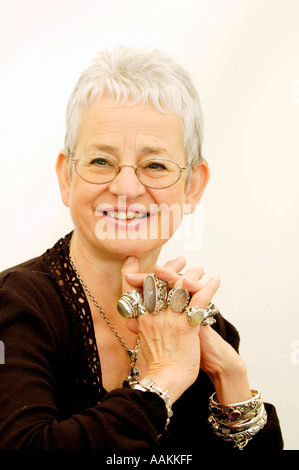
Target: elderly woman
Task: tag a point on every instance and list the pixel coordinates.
(104, 348)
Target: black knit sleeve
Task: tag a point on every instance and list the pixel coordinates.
(37, 347)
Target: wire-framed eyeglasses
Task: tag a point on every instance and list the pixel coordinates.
(155, 173)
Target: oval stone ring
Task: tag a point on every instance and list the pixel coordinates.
(131, 305)
(201, 316)
(154, 294)
(178, 299)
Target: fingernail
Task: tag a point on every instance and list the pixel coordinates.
(130, 259)
(131, 275)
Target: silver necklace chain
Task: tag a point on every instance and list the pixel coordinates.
(133, 353)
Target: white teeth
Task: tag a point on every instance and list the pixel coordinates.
(125, 215)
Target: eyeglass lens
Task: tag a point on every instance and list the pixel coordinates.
(99, 169)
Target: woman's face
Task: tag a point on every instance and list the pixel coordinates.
(124, 217)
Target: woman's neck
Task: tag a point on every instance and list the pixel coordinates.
(101, 272)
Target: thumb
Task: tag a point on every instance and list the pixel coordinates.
(132, 325)
(130, 266)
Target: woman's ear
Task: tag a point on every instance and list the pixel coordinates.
(200, 175)
(62, 171)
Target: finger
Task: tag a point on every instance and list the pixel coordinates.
(132, 326)
(135, 279)
(191, 277)
(176, 264)
(174, 279)
(131, 265)
(204, 296)
(191, 286)
(168, 275)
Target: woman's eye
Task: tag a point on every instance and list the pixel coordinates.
(99, 161)
(156, 166)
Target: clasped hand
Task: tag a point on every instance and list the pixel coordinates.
(174, 350)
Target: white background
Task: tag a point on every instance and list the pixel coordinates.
(244, 57)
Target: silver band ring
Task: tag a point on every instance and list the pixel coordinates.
(131, 305)
(201, 316)
(178, 299)
(155, 294)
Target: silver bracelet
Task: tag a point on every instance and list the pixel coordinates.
(147, 385)
(238, 411)
(239, 438)
(238, 422)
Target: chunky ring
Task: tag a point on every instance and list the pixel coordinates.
(195, 315)
(201, 316)
(154, 293)
(131, 305)
(178, 299)
(210, 311)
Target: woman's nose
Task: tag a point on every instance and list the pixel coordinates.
(126, 183)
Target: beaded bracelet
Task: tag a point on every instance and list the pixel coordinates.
(147, 385)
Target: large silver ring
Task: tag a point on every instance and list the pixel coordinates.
(154, 294)
(201, 316)
(131, 305)
(178, 299)
(210, 311)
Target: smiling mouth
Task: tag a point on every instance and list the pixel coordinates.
(122, 215)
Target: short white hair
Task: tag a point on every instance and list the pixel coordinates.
(134, 76)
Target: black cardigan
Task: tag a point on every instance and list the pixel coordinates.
(51, 392)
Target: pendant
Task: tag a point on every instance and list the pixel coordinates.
(134, 374)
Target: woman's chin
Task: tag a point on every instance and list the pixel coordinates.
(124, 248)
(129, 241)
